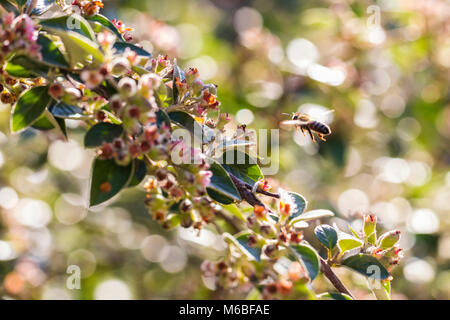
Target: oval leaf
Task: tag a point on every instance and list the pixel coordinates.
(326, 235)
(51, 55)
(108, 178)
(222, 188)
(80, 48)
(42, 6)
(100, 133)
(71, 23)
(64, 110)
(184, 120)
(102, 20)
(22, 66)
(240, 240)
(122, 46)
(313, 215)
(367, 266)
(29, 108)
(242, 166)
(297, 202)
(177, 74)
(308, 257)
(140, 171)
(349, 243)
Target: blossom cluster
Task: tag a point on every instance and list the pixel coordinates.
(18, 35)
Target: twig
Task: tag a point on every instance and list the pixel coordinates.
(245, 193)
(335, 281)
(266, 193)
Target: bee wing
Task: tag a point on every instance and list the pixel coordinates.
(293, 122)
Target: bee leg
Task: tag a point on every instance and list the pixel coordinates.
(302, 129)
(321, 137)
(311, 135)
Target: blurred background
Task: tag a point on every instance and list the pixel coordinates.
(382, 66)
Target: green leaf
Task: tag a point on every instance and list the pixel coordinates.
(79, 42)
(51, 55)
(20, 3)
(108, 178)
(354, 232)
(140, 171)
(312, 215)
(42, 6)
(333, 296)
(42, 124)
(349, 243)
(235, 211)
(230, 144)
(64, 110)
(29, 108)
(187, 122)
(22, 66)
(80, 48)
(367, 266)
(70, 23)
(242, 166)
(57, 123)
(104, 21)
(102, 132)
(122, 46)
(308, 257)
(162, 118)
(222, 188)
(297, 202)
(9, 6)
(240, 240)
(177, 73)
(326, 235)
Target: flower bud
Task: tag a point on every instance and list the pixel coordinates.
(127, 87)
(149, 82)
(284, 286)
(172, 221)
(71, 95)
(156, 202)
(116, 103)
(270, 250)
(186, 221)
(161, 174)
(212, 88)
(197, 87)
(186, 205)
(106, 151)
(260, 211)
(120, 66)
(19, 87)
(389, 239)
(370, 222)
(134, 112)
(268, 231)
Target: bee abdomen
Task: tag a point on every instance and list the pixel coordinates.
(320, 127)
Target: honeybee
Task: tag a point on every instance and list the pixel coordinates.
(303, 122)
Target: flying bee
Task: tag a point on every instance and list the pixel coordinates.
(303, 122)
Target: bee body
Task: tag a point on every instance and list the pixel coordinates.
(304, 123)
(319, 127)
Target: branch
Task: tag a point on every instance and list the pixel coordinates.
(266, 193)
(335, 281)
(245, 193)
